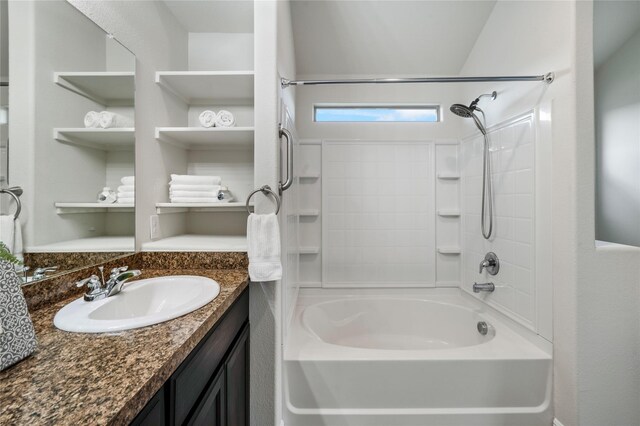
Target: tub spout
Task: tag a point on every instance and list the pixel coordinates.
(488, 287)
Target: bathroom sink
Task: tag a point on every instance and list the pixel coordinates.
(139, 304)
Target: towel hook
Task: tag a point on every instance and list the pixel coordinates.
(266, 190)
(15, 192)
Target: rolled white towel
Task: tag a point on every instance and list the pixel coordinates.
(207, 118)
(125, 200)
(199, 188)
(195, 180)
(194, 200)
(92, 120)
(128, 180)
(225, 119)
(126, 194)
(194, 194)
(126, 188)
(110, 120)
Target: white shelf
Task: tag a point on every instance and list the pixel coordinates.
(309, 212)
(105, 88)
(448, 176)
(449, 213)
(117, 139)
(309, 250)
(94, 244)
(209, 87)
(167, 208)
(202, 138)
(188, 242)
(69, 208)
(449, 250)
(309, 175)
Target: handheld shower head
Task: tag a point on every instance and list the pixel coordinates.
(468, 112)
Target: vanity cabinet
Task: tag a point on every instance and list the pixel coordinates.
(211, 386)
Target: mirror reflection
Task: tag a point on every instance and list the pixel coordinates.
(67, 154)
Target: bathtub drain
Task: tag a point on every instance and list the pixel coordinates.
(483, 328)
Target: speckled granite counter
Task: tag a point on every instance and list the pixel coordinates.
(106, 378)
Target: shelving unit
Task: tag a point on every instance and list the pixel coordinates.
(209, 87)
(105, 88)
(168, 208)
(189, 242)
(104, 244)
(71, 208)
(200, 138)
(116, 139)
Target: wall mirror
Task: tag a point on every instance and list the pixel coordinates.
(616, 44)
(67, 146)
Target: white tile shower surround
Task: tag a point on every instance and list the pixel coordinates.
(378, 200)
(512, 146)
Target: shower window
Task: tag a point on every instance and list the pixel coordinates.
(377, 113)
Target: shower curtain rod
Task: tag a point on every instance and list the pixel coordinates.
(547, 78)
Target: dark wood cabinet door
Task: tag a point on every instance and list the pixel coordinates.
(154, 414)
(237, 372)
(212, 409)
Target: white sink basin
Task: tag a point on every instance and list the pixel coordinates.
(139, 304)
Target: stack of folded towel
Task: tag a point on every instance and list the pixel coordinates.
(126, 191)
(106, 120)
(223, 118)
(194, 189)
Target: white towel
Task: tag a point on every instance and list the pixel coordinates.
(198, 188)
(194, 199)
(195, 180)
(263, 244)
(11, 235)
(225, 119)
(125, 200)
(194, 194)
(92, 119)
(126, 188)
(110, 120)
(126, 194)
(128, 180)
(207, 118)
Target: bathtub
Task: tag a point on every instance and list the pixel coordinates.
(411, 357)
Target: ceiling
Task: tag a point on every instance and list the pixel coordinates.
(614, 22)
(388, 37)
(220, 16)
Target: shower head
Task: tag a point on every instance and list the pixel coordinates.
(461, 110)
(469, 111)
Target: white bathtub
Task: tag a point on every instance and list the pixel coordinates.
(411, 357)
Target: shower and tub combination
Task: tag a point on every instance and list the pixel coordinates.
(403, 355)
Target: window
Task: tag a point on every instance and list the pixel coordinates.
(377, 113)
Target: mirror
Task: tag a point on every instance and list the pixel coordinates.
(71, 135)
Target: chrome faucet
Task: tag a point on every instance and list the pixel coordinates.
(491, 263)
(488, 287)
(41, 273)
(99, 289)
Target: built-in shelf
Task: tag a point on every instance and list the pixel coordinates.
(309, 175)
(201, 138)
(69, 208)
(309, 212)
(190, 242)
(104, 244)
(449, 250)
(309, 250)
(449, 213)
(105, 88)
(117, 139)
(166, 208)
(448, 176)
(209, 87)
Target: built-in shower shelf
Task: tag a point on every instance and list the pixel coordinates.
(446, 176)
(71, 208)
(201, 138)
(209, 87)
(105, 88)
(168, 208)
(309, 212)
(449, 250)
(449, 213)
(309, 250)
(310, 175)
(192, 242)
(117, 139)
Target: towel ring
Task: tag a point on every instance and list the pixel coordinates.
(266, 190)
(14, 192)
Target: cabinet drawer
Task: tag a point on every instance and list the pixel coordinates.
(190, 380)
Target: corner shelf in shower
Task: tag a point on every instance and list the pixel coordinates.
(72, 208)
(309, 250)
(449, 250)
(168, 208)
(449, 213)
(105, 88)
(201, 138)
(209, 87)
(309, 212)
(445, 176)
(191, 242)
(117, 139)
(309, 176)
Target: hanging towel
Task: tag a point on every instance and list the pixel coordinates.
(110, 120)
(195, 180)
(263, 244)
(11, 235)
(128, 180)
(225, 119)
(92, 119)
(207, 118)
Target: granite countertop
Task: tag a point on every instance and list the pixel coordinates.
(107, 378)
